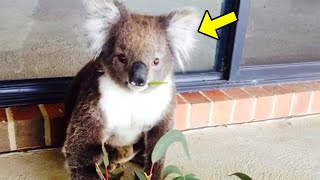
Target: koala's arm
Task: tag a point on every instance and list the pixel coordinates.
(153, 136)
(72, 93)
(82, 147)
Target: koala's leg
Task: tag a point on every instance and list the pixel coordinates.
(121, 156)
(151, 139)
(82, 150)
(139, 147)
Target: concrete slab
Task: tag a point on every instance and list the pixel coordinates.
(282, 149)
(35, 165)
(271, 150)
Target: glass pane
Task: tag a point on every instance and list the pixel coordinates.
(285, 31)
(203, 56)
(44, 38)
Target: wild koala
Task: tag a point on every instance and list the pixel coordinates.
(110, 100)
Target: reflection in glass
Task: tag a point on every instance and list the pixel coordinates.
(45, 38)
(285, 31)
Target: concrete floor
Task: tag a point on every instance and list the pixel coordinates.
(273, 150)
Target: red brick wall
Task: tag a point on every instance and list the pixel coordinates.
(35, 126)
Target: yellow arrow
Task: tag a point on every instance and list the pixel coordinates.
(210, 26)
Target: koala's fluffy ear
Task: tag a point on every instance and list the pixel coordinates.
(181, 28)
(102, 14)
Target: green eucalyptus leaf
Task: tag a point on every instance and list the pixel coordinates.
(165, 141)
(241, 176)
(171, 169)
(140, 175)
(102, 168)
(190, 177)
(105, 156)
(156, 83)
(178, 178)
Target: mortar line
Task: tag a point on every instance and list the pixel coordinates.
(47, 127)
(254, 107)
(11, 130)
(233, 110)
(211, 108)
(293, 101)
(310, 102)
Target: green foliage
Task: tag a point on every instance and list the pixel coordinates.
(159, 150)
(165, 141)
(178, 178)
(241, 176)
(171, 169)
(190, 177)
(156, 83)
(140, 175)
(105, 156)
(176, 170)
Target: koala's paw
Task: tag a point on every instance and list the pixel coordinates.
(124, 154)
(86, 173)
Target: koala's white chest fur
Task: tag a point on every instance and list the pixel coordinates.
(127, 114)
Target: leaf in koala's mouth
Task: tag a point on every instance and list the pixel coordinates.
(156, 83)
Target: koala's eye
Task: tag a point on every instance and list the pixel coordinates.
(122, 58)
(156, 61)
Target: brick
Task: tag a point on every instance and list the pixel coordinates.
(200, 109)
(283, 100)
(301, 103)
(315, 106)
(264, 108)
(182, 111)
(237, 93)
(199, 115)
(276, 89)
(222, 107)
(282, 105)
(216, 95)
(314, 86)
(301, 98)
(222, 112)
(58, 125)
(244, 104)
(258, 92)
(29, 126)
(264, 103)
(4, 137)
(3, 117)
(195, 98)
(22, 113)
(315, 100)
(295, 87)
(243, 110)
(55, 110)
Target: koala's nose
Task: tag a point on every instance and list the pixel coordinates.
(138, 74)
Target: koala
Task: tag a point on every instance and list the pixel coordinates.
(110, 100)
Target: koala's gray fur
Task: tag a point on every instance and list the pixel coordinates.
(110, 101)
